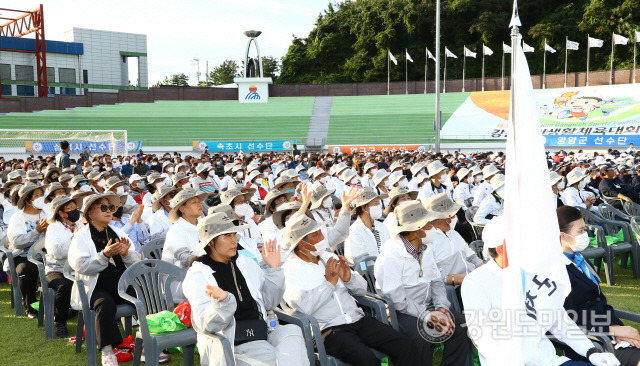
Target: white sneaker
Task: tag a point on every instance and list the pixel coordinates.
(109, 360)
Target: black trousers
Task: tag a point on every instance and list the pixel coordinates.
(63, 286)
(27, 281)
(104, 301)
(456, 349)
(350, 343)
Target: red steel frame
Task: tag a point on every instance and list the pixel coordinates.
(29, 22)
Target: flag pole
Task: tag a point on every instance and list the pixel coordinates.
(406, 72)
(566, 54)
(483, 67)
(502, 67)
(444, 88)
(635, 41)
(544, 66)
(438, 121)
(613, 42)
(388, 69)
(464, 64)
(588, 52)
(426, 63)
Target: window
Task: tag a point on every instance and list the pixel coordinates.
(51, 75)
(68, 91)
(66, 75)
(85, 76)
(5, 72)
(25, 72)
(26, 90)
(6, 89)
(52, 90)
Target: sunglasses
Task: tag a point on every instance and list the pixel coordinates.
(105, 208)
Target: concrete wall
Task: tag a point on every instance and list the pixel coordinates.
(623, 76)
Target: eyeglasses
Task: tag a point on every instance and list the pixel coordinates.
(240, 202)
(105, 208)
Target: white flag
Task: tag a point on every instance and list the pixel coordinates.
(487, 51)
(429, 55)
(594, 42)
(549, 48)
(506, 49)
(468, 53)
(618, 39)
(526, 47)
(535, 280)
(408, 57)
(571, 45)
(637, 36)
(448, 53)
(393, 59)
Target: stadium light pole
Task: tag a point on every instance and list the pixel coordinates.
(438, 117)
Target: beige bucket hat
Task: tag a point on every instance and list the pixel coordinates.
(159, 195)
(442, 204)
(298, 229)
(395, 193)
(52, 188)
(229, 195)
(213, 226)
(575, 176)
(489, 170)
(270, 197)
(114, 199)
(181, 198)
(412, 216)
(25, 190)
(318, 195)
(435, 167)
(59, 202)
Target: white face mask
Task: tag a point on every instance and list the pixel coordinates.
(72, 166)
(120, 190)
(109, 169)
(402, 203)
(327, 203)
(453, 223)
(387, 184)
(373, 171)
(140, 185)
(265, 174)
(445, 180)
(582, 184)
(211, 173)
(281, 207)
(469, 180)
(587, 180)
(38, 203)
(324, 180)
(244, 210)
(187, 185)
(96, 168)
(561, 185)
(582, 242)
(102, 183)
(85, 188)
(320, 246)
(402, 183)
(354, 181)
(239, 175)
(170, 169)
(375, 212)
(159, 184)
(479, 178)
(430, 235)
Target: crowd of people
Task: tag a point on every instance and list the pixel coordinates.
(257, 230)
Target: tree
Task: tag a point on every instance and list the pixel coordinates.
(271, 67)
(224, 73)
(173, 80)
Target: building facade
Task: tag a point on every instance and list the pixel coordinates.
(88, 60)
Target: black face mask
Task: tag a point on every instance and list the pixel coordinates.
(118, 212)
(53, 179)
(73, 215)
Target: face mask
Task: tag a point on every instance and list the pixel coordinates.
(96, 168)
(239, 175)
(469, 180)
(290, 190)
(72, 166)
(324, 180)
(327, 203)
(109, 168)
(170, 169)
(38, 203)
(430, 235)
(479, 178)
(373, 171)
(402, 183)
(320, 246)
(7, 168)
(375, 212)
(387, 184)
(244, 210)
(120, 190)
(85, 188)
(582, 242)
(582, 184)
(102, 183)
(445, 180)
(140, 185)
(118, 212)
(187, 185)
(587, 180)
(265, 174)
(73, 215)
(281, 207)
(561, 185)
(354, 181)
(159, 184)
(402, 203)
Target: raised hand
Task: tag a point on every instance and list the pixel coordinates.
(271, 253)
(349, 196)
(216, 292)
(344, 271)
(42, 226)
(125, 244)
(112, 248)
(331, 271)
(306, 194)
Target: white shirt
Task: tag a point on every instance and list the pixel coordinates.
(181, 238)
(9, 210)
(390, 221)
(489, 206)
(574, 197)
(159, 224)
(483, 190)
(362, 242)
(462, 193)
(452, 254)
(57, 242)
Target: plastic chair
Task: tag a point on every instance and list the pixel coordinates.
(365, 267)
(226, 346)
(613, 201)
(632, 208)
(16, 295)
(339, 249)
(468, 202)
(611, 213)
(453, 298)
(477, 228)
(36, 255)
(87, 319)
(477, 246)
(153, 249)
(151, 280)
(600, 254)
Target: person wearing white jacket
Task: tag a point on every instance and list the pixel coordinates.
(182, 237)
(322, 285)
(8, 207)
(229, 293)
(27, 226)
(575, 195)
(482, 296)
(366, 234)
(406, 272)
(337, 229)
(484, 189)
(159, 223)
(397, 197)
(462, 192)
(492, 204)
(99, 254)
(61, 228)
(274, 200)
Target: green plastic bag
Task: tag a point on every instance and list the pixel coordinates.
(36, 306)
(384, 361)
(165, 322)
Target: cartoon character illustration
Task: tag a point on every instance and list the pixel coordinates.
(614, 104)
(581, 107)
(544, 110)
(564, 98)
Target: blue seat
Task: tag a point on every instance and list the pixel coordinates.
(16, 295)
(36, 255)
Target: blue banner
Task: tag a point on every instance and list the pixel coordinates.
(53, 147)
(232, 146)
(592, 140)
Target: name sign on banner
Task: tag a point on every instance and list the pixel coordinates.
(53, 147)
(232, 146)
(350, 149)
(591, 140)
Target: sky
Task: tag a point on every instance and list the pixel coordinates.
(180, 31)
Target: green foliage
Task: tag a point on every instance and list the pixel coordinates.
(350, 40)
(224, 73)
(271, 67)
(173, 80)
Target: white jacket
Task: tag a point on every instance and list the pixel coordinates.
(57, 242)
(390, 221)
(181, 238)
(212, 316)
(428, 190)
(483, 190)
(159, 224)
(482, 296)
(397, 277)
(9, 210)
(453, 255)
(362, 242)
(461, 193)
(88, 263)
(335, 233)
(21, 236)
(574, 197)
(489, 206)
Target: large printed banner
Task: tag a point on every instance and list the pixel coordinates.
(350, 149)
(53, 147)
(231, 146)
(580, 115)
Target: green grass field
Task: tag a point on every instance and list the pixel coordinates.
(23, 343)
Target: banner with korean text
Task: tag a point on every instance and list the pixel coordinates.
(245, 146)
(350, 149)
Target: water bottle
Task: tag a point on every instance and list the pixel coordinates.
(272, 321)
